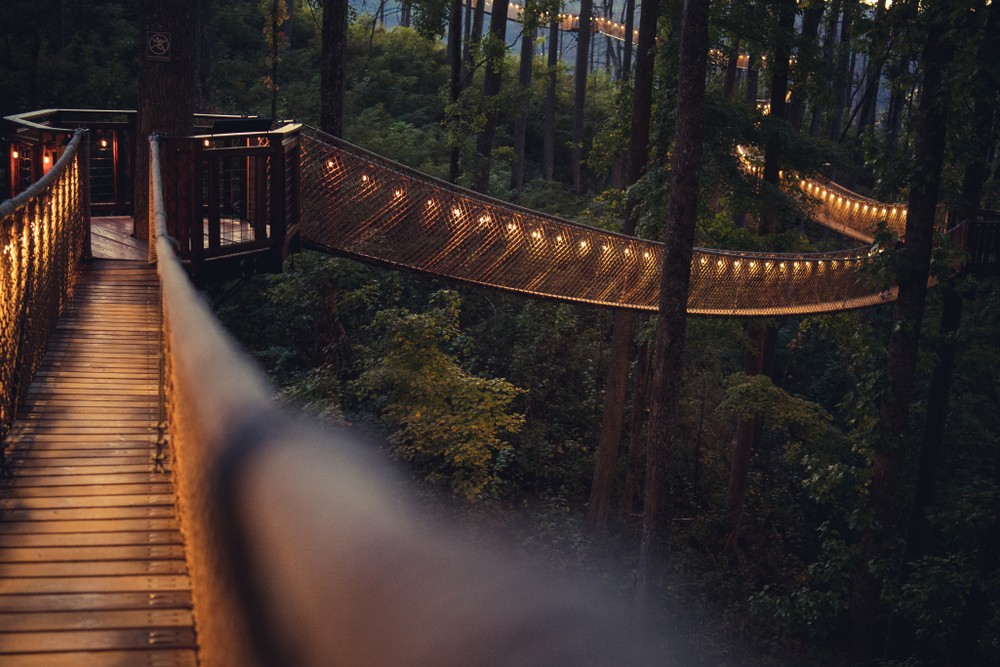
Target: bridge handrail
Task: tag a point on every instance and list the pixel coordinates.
(361, 205)
(43, 234)
(300, 544)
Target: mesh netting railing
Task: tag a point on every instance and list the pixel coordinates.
(43, 234)
(364, 206)
(849, 213)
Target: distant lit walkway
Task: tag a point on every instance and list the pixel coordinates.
(92, 569)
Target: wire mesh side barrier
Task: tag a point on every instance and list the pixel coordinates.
(43, 234)
(364, 206)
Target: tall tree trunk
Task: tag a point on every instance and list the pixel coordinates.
(932, 443)
(580, 95)
(404, 14)
(274, 58)
(629, 30)
(203, 67)
(917, 526)
(333, 74)
(753, 74)
(166, 91)
(913, 268)
(474, 40)
(491, 88)
(672, 312)
(455, 47)
(805, 62)
(842, 80)
(549, 140)
(638, 424)
(732, 68)
(614, 395)
(521, 127)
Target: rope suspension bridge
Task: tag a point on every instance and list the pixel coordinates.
(246, 537)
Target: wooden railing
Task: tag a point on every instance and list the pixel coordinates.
(233, 201)
(43, 234)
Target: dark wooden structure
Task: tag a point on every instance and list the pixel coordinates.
(233, 201)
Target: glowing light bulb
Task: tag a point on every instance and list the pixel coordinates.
(15, 155)
(646, 255)
(329, 163)
(399, 193)
(627, 251)
(559, 238)
(583, 244)
(45, 159)
(206, 142)
(429, 202)
(364, 178)
(456, 212)
(702, 260)
(104, 143)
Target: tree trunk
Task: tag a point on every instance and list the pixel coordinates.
(455, 47)
(917, 526)
(753, 74)
(404, 14)
(203, 68)
(614, 397)
(580, 96)
(804, 63)
(474, 39)
(333, 74)
(549, 141)
(638, 424)
(842, 82)
(521, 127)
(672, 312)
(491, 88)
(913, 268)
(166, 91)
(732, 68)
(274, 59)
(629, 31)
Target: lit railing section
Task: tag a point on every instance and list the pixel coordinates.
(43, 233)
(850, 213)
(567, 22)
(359, 204)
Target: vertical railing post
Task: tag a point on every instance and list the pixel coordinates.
(278, 202)
(83, 160)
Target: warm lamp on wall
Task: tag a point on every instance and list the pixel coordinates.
(46, 159)
(15, 155)
(104, 143)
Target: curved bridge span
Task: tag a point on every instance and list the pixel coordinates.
(363, 206)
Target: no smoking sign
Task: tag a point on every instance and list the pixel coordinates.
(158, 46)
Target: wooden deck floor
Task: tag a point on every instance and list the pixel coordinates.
(111, 238)
(92, 568)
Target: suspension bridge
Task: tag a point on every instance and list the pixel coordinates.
(157, 509)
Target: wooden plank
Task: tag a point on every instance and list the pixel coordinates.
(147, 658)
(100, 568)
(85, 480)
(95, 601)
(29, 540)
(123, 584)
(113, 553)
(87, 491)
(37, 456)
(87, 513)
(139, 458)
(72, 502)
(98, 620)
(87, 526)
(95, 640)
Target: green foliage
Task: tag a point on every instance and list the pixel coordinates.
(444, 420)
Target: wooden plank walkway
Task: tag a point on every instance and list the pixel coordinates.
(111, 238)
(92, 568)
